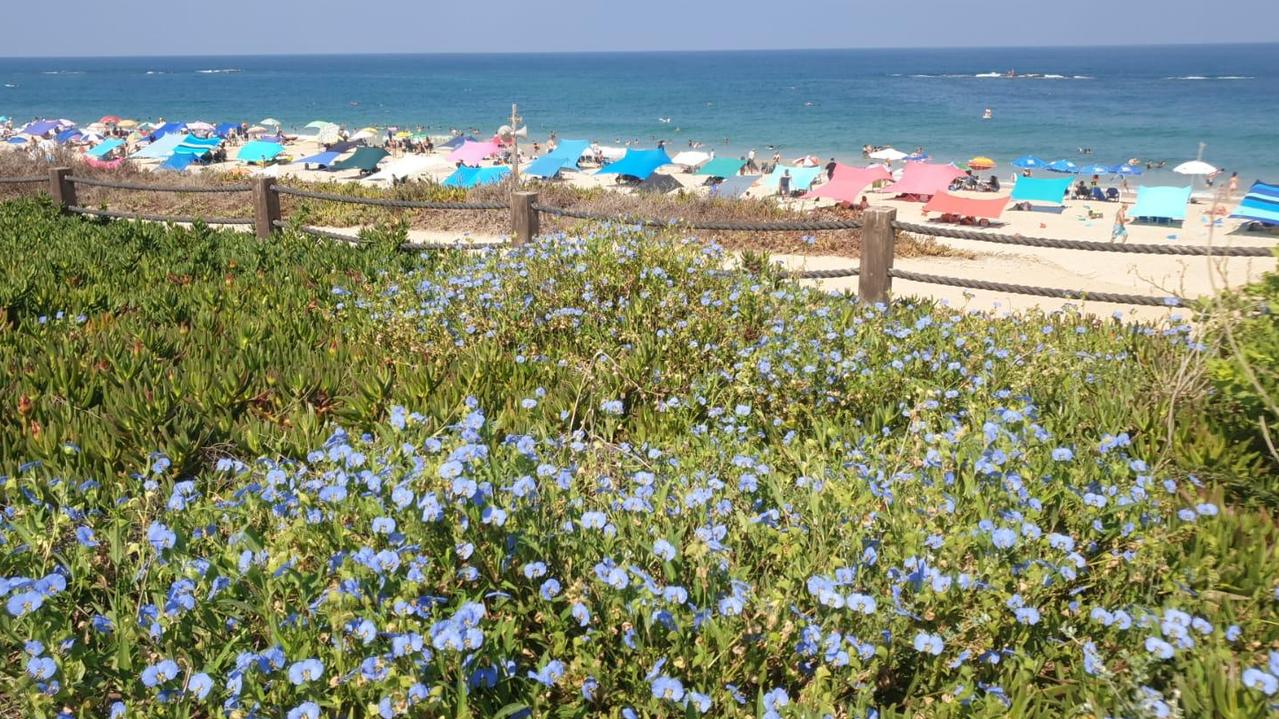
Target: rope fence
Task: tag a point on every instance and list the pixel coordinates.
(878, 226)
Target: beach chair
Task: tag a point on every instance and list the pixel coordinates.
(1097, 195)
(1112, 194)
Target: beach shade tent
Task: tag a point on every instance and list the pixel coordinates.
(473, 153)
(457, 142)
(848, 183)
(66, 136)
(40, 128)
(888, 153)
(1261, 204)
(105, 147)
(1166, 203)
(259, 151)
(948, 204)
(924, 178)
(1048, 190)
(734, 187)
(466, 177)
(1063, 166)
(323, 159)
(197, 146)
(177, 163)
(1029, 162)
(1195, 167)
(225, 129)
(637, 163)
(401, 168)
(801, 178)
(97, 164)
(167, 128)
(563, 157)
(981, 163)
(160, 149)
(690, 158)
(721, 167)
(659, 184)
(364, 159)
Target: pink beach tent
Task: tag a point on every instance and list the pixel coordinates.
(949, 204)
(848, 182)
(103, 164)
(472, 153)
(923, 178)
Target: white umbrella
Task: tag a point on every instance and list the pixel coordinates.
(1194, 167)
(889, 154)
(690, 158)
(270, 121)
(200, 126)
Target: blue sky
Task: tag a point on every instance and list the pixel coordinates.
(151, 27)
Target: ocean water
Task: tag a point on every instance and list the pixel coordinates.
(1152, 103)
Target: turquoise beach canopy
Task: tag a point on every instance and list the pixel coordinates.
(564, 157)
(259, 151)
(177, 163)
(721, 167)
(160, 149)
(637, 163)
(1035, 189)
(104, 147)
(801, 178)
(364, 159)
(466, 177)
(197, 146)
(1261, 204)
(1161, 202)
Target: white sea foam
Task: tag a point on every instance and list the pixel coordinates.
(1210, 77)
(218, 72)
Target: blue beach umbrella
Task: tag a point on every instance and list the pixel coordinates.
(1096, 170)
(1065, 166)
(1029, 162)
(1131, 170)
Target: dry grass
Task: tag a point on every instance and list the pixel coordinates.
(679, 205)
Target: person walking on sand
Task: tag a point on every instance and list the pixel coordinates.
(1120, 230)
(830, 169)
(783, 184)
(1233, 187)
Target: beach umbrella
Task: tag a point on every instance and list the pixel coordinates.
(1029, 162)
(257, 130)
(127, 124)
(1096, 170)
(1065, 166)
(889, 154)
(270, 121)
(808, 161)
(1131, 170)
(109, 119)
(1195, 167)
(316, 124)
(917, 157)
(200, 126)
(981, 162)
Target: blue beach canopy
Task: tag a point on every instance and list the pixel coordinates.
(104, 147)
(1035, 189)
(801, 178)
(66, 136)
(323, 159)
(1029, 162)
(197, 146)
(160, 149)
(1126, 169)
(1161, 202)
(1096, 170)
(458, 142)
(564, 157)
(259, 151)
(725, 167)
(225, 129)
(637, 163)
(167, 128)
(178, 163)
(467, 177)
(1261, 204)
(1063, 166)
(734, 187)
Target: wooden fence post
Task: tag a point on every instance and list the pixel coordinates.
(266, 207)
(62, 189)
(524, 219)
(874, 283)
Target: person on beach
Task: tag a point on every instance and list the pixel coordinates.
(830, 169)
(750, 160)
(1234, 184)
(1120, 230)
(783, 184)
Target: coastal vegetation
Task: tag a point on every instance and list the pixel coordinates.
(600, 476)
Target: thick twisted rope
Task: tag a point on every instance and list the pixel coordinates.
(1113, 297)
(109, 214)
(31, 179)
(820, 274)
(791, 226)
(377, 202)
(112, 184)
(1087, 245)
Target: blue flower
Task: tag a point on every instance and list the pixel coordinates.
(200, 684)
(665, 687)
(550, 589)
(84, 535)
(1159, 648)
(41, 668)
(450, 469)
(612, 406)
(305, 710)
(533, 570)
(549, 673)
(581, 614)
(929, 643)
(24, 603)
(1263, 682)
(307, 670)
(161, 537)
(159, 673)
(1003, 538)
(664, 549)
(1063, 454)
